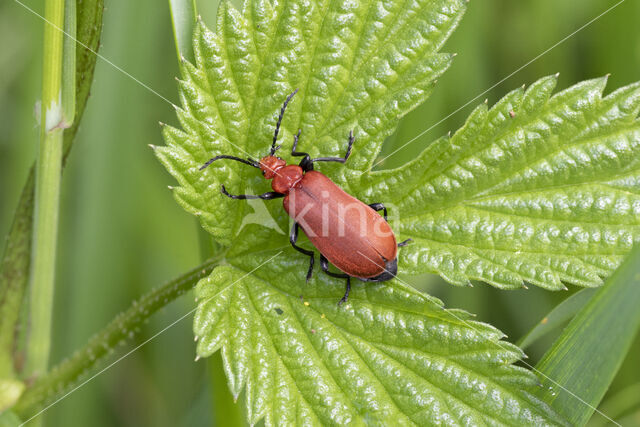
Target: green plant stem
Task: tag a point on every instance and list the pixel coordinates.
(16, 262)
(63, 377)
(47, 196)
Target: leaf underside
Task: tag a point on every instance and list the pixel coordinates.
(540, 189)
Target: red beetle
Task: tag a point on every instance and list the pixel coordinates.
(348, 233)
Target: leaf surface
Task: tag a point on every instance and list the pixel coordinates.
(540, 189)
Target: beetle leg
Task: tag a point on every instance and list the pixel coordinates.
(266, 196)
(338, 159)
(379, 207)
(306, 164)
(293, 238)
(405, 243)
(324, 263)
(346, 292)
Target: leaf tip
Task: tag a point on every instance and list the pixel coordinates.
(170, 187)
(153, 147)
(197, 358)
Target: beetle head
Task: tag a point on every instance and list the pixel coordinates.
(270, 165)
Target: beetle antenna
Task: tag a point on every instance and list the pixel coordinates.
(274, 148)
(249, 161)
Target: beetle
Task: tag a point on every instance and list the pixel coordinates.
(348, 233)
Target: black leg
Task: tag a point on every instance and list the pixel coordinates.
(379, 207)
(293, 238)
(405, 243)
(338, 159)
(324, 263)
(346, 292)
(266, 196)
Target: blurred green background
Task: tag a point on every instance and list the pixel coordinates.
(122, 234)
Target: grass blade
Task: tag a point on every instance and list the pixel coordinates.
(586, 357)
(562, 313)
(183, 18)
(622, 404)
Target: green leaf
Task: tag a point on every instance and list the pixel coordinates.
(560, 314)
(391, 355)
(540, 189)
(589, 352)
(358, 65)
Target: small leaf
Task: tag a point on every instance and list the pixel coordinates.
(582, 362)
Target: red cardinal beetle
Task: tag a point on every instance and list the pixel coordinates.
(348, 233)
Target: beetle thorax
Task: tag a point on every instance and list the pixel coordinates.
(284, 177)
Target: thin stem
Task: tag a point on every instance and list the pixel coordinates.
(15, 267)
(63, 377)
(47, 196)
